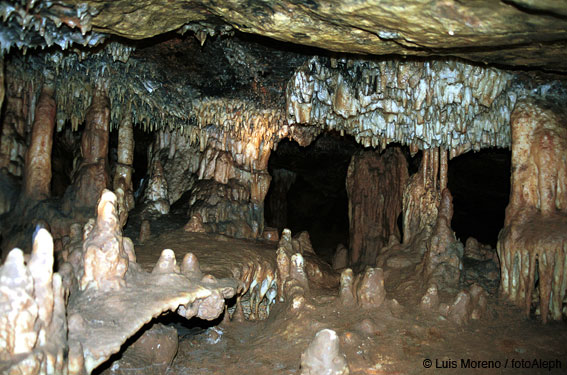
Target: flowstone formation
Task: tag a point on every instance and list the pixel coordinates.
(532, 247)
(83, 308)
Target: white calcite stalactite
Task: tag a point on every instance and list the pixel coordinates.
(92, 175)
(375, 184)
(37, 179)
(124, 168)
(532, 247)
(424, 105)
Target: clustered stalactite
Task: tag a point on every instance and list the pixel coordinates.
(532, 247)
(227, 178)
(375, 184)
(420, 104)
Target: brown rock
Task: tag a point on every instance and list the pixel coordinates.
(270, 234)
(145, 231)
(195, 224)
(460, 311)
(340, 258)
(151, 353)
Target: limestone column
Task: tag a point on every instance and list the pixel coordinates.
(124, 167)
(375, 185)
(92, 176)
(37, 178)
(532, 246)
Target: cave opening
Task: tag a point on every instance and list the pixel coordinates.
(480, 185)
(308, 190)
(65, 148)
(142, 142)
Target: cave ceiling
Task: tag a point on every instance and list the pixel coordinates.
(513, 32)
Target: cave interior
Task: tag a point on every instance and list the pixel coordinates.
(300, 187)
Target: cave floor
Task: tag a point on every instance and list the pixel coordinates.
(388, 340)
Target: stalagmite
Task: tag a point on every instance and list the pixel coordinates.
(323, 356)
(37, 179)
(124, 167)
(374, 186)
(104, 258)
(156, 195)
(443, 259)
(33, 328)
(532, 247)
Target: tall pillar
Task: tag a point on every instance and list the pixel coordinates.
(37, 178)
(92, 176)
(532, 246)
(124, 167)
(375, 186)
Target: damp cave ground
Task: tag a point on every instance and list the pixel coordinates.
(380, 341)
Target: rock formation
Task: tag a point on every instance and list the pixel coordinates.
(375, 186)
(532, 246)
(323, 356)
(37, 179)
(181, 115)
(92, 176)
(102, 283)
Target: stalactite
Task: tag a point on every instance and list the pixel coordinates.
(534, 241)
(37, 179)
(124, 167)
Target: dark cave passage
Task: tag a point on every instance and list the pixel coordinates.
(308, 191)
(142, 142)
(480, 185)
